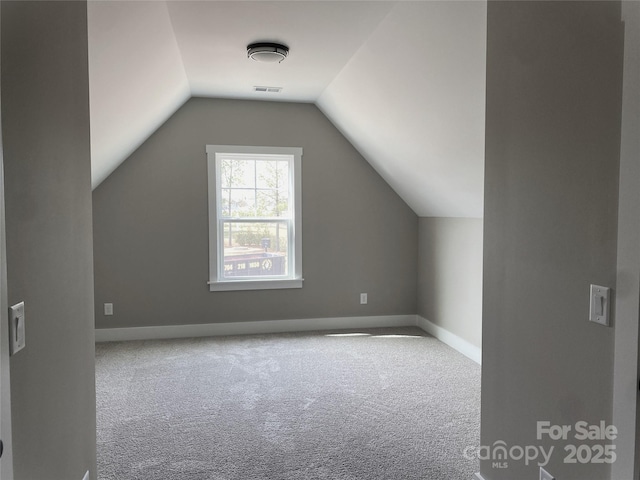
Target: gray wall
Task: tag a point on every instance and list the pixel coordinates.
(45, 119)
(450, 275)
(151, 233)
(551, 191)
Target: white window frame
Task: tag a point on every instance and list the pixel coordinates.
(217, 282)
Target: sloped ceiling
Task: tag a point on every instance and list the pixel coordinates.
(403, 81)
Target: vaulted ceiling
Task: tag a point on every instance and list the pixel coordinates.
(403, 81)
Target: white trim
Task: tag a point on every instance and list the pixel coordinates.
(254, 150)
(245, 328)
(284, 326)
(454, 341)
(626, 331)
(231, 285)
(6, 430)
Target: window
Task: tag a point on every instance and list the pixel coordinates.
(255, 237)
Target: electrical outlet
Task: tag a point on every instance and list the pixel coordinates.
(363, 299)
(108, 308)
(544, 475)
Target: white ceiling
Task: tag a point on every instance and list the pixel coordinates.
(403, 81)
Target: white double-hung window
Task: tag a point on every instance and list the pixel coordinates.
(255, 208)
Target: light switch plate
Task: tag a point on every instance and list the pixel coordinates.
(599, 303)
(17, 327)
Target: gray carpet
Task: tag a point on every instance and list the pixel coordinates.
(375, 404)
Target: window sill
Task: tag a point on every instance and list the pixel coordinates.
(233, 285)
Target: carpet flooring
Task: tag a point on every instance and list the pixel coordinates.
(374, 404)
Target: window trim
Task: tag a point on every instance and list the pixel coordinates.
(295, 280)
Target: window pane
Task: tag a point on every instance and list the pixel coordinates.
(272, 178)
(236, 173)
(238, 202)
(254, 188)
(255, 249)
(272, 203)
(272, 174)
(225, 199)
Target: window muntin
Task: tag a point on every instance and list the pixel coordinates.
(255, 235)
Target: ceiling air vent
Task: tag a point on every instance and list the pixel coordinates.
(267, 89)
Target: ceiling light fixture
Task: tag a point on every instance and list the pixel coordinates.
(267, 52)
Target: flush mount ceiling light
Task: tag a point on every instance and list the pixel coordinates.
(267, 52)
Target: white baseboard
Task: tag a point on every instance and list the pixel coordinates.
(283, 326)
(244, 328)
(451, 339)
